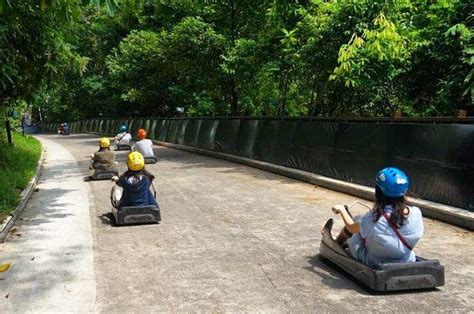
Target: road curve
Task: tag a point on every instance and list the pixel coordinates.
(233, 238)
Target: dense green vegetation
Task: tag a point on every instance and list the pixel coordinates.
(17, 166)
(74, 59)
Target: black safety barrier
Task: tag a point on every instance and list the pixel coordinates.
(438, 154)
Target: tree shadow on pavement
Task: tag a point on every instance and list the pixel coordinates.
(51, 209)
(62, 169)
(35, 272)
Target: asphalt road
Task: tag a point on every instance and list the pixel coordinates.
(232, 238)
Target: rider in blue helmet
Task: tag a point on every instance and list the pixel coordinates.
(389, 232)
(66, 128)
(123, 137)
(392, 182)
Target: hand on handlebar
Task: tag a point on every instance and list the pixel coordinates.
(337, 209)
(115, 178)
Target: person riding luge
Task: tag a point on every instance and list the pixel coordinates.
(104, 158)
(136, 183)
(66, 129)
(144, 146)
(123, 138)
(389, 232)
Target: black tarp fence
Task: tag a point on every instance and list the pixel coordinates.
(439, 157)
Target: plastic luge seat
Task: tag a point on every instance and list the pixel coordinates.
(423, 274)
(150, 160)
(123, 147)
(104, 174)
(136, 215)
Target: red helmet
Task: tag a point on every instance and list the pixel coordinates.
(141, 134)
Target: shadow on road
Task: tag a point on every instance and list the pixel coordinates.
(107, 219)
(332, 277)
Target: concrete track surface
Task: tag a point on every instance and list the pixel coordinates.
(232, 238)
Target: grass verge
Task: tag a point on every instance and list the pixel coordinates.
(17, 167)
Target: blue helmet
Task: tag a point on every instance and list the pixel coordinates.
(123, 128)
(393, 182)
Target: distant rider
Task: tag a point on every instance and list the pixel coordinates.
(136, 184)
(123, 137)
(144, 145)
(389, 232)
(66, 128)
(104, 158)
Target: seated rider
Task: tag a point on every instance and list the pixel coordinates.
(66, 128)
(104, 158)
(136, 184)
(123, 137)
(144, 145)
(389, 232)
(61, 128)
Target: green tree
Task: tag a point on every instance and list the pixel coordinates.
(237, 57)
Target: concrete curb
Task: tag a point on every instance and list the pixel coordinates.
(25, 195)
(452, 215)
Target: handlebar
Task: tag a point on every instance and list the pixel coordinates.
(359, 203)
(352, 205)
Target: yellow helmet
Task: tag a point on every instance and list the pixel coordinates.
(135, 161)
(104, 142)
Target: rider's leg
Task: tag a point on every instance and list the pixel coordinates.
(116, 197)
(343, 236)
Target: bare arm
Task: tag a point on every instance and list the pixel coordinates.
(351, 225)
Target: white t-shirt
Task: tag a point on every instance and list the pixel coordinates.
(123, 138)
(145, 147)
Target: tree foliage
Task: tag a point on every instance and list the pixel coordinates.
(74, 59)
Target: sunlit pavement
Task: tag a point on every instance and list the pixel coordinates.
(232, 238)
(51, 244)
